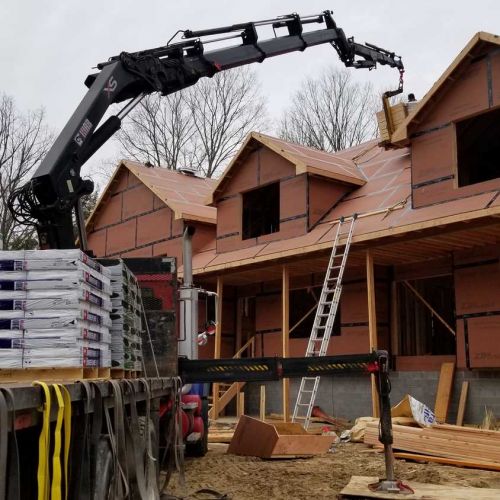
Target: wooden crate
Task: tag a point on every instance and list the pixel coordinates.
(398, 113)
(256, 438)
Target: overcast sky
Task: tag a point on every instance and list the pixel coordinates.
(47, 48)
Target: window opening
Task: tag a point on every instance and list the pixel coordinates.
(261, 211)
(478, 148)
(421, 333)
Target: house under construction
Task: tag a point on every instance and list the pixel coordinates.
(423, 272)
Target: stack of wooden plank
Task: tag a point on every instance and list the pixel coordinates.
(472, 447)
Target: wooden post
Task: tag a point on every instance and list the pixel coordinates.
(218, 345)
(372, 324)
(462, 403)
(240, 404)
(394, 319)
(285, 307)
(239, 323)
(262, 407)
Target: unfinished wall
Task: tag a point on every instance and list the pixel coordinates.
(322, 196)
(259, 168)
(353, 338)
(477, 292)
(433, 143)
(133, 222)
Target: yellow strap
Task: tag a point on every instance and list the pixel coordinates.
(56, 457)
(67, 436)
(44, 445)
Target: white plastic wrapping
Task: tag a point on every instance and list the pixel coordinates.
(54, 310)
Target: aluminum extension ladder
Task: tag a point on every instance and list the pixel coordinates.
(324, 320)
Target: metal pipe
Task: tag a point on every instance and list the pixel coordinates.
(187, 255)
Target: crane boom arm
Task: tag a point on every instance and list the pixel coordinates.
(55, 189)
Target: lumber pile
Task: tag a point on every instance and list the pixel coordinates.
(475, 446)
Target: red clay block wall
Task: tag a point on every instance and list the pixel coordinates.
(133, 222)
(477, 295)
(433, 146)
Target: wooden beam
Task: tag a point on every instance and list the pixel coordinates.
(218, 343)
(431, 309)
(372, 324)
(285, 329)
(262, 407)
(444, 390)
(462, 402)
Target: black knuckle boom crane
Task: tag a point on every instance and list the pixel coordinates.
(48, 199)
(53, 194)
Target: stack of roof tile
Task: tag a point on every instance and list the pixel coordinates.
(54, 310)
(126, 329)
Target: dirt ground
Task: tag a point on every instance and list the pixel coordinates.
(248, 478)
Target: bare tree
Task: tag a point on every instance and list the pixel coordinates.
(224, 110)
(200, 127)
(24, 141)
(331, 112)
(158, 130)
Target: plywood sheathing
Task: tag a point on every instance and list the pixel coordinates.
(131, 220)
(477, 296)
(183, 194)
(304, 159)
(401, 135)
(385, 205)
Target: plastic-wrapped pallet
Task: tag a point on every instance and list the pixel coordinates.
(126, 329)
(55, 310)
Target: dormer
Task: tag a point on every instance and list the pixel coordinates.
(273, 190)
(454, 132)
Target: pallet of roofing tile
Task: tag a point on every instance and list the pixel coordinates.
(54, 318)
(26, 365)
(24, 260)
(53, 299)
(35, 280)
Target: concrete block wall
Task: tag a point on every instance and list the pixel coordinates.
(349, 396)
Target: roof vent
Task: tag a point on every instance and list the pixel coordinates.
(187, 171)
